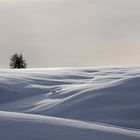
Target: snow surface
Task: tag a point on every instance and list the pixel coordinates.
(70, 104)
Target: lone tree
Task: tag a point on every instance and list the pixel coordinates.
(17, 62)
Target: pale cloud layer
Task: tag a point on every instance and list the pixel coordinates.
(70, 32)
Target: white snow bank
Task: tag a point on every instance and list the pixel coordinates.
(25, 126)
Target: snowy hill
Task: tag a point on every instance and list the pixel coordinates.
(70, 103)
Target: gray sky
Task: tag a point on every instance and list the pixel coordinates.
(54, 33)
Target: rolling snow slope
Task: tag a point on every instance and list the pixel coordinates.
(70, 103)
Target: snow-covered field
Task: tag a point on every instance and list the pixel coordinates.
(70, 104)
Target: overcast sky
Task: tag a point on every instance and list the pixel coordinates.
(62, 33)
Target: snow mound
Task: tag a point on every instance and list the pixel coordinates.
(81, 102)
(27, 126)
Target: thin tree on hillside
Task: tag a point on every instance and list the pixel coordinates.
(17, 62)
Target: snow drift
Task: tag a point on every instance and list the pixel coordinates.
(70, 103)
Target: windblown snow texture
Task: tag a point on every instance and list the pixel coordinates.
(70, 104)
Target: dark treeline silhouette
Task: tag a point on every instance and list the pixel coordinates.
(18, 62)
